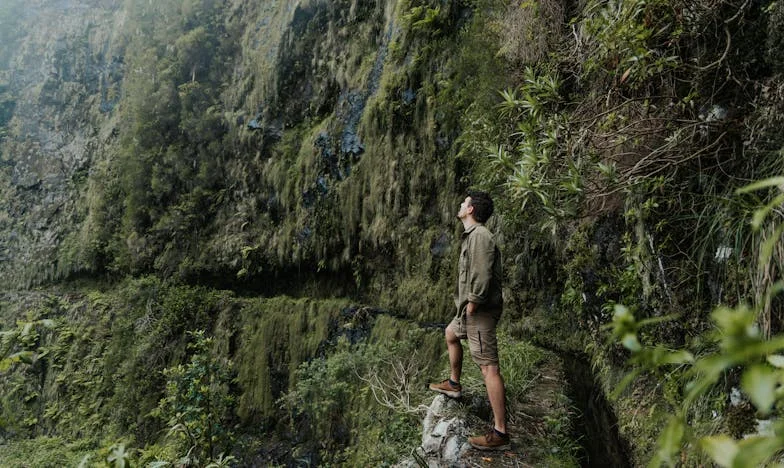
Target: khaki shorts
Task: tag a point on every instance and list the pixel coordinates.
(479, 330)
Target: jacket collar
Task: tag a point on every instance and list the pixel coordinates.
(471, 229)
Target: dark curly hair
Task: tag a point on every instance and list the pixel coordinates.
(482, 203)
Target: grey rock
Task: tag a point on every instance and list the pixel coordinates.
(455, 447)
(444, 434)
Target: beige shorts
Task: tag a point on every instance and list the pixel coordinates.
(479, 330)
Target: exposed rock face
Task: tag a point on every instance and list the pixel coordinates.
(223, 139)
(444, 436)
(62, 75)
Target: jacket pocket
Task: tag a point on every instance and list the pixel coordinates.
(463, 266)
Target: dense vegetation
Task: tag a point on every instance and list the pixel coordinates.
(318, 150)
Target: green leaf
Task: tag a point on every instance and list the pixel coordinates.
(746, 350)
(776, 360)
(766, 249)
(712, 365)
(706, 373)
(47, 323)
(734, 321)
(771, 182)
(85, 461)
(661, 356)
(721, 448)
(756, 450)
(25, 356)
(631, 343)
(760, 382)
(625, 381)
(669, 443)
(655, 320)
(761, 213)
(775, 289)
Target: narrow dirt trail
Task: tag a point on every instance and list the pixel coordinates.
(537, 425)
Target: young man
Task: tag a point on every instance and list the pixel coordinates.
(479, 303)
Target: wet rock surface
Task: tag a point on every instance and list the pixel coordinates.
(63, 81)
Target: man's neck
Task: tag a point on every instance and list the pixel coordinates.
(468, 221)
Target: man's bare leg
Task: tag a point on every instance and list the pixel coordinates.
(495, 392)
(455, 349)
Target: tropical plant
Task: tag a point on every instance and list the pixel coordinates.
(738, 344)
(197, 405)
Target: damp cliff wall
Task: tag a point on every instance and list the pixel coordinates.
(227, 142)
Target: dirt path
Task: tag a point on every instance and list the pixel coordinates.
(539, 425)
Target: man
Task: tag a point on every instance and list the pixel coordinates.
(479, 303)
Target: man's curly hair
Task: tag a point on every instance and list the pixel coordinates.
(482, 203)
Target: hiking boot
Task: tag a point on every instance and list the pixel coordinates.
(491, 441)
(447, 389)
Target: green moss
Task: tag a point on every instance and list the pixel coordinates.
(42, 452)
(277, 336)
(356, 419)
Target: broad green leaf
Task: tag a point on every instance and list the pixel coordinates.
(771, 182)
(85, 461)
(625, 381)
(712, 365)
(704, 381)
(721, 448)
(760, 382)
(775, 289)
(655, 320)
(749, 350)
(776, 360)
(669, 443)
(755, 451)
(25, 356)
(631, 343)
(622, 314)
(733, 321)
(663, 356)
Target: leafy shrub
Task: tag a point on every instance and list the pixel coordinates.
(198, 405)
(362, 403)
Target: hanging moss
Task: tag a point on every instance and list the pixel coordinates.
(277, 335)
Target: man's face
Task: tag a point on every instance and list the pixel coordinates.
(465, 208)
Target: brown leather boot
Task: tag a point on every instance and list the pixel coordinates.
(491, 441)
(447, 389)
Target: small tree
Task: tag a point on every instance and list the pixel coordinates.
(197, 404)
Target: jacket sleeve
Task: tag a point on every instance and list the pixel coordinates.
(482, 255)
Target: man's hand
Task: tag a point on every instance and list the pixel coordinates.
(471, 308)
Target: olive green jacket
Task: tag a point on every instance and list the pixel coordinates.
(479, 271)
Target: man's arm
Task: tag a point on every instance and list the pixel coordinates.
(481, 251)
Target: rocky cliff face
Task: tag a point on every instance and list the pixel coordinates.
(61, 79)
(206, 140)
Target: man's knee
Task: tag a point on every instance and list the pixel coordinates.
(490, 371)
(450, 336)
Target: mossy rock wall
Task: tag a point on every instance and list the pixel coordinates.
(96, 371)
(229, 141)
